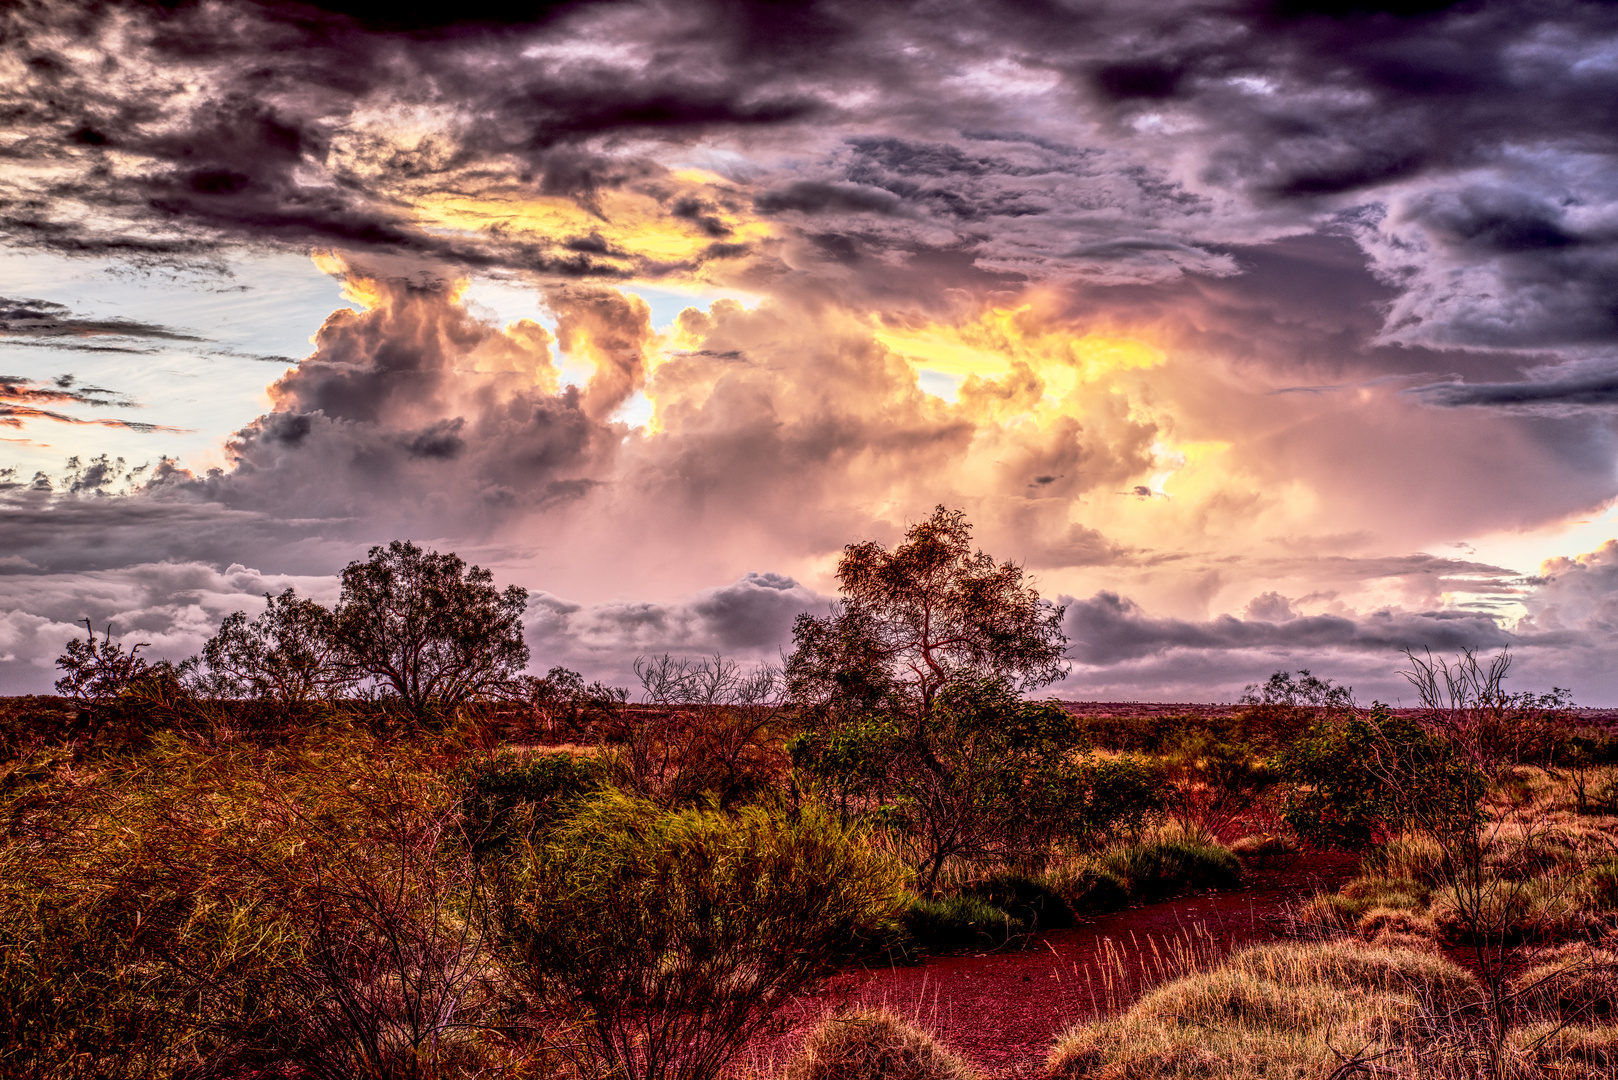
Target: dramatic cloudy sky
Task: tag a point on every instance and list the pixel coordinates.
(1263, 333)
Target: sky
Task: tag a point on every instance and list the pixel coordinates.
(1264, 334)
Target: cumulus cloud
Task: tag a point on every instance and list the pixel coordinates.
(1180, 302)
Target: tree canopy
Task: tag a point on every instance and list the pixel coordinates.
(915, 618)
(428, 628)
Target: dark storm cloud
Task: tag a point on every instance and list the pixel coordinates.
(1560, 389)
(1108, 628)
(750, 619)
(1027, 142)
(44, 323)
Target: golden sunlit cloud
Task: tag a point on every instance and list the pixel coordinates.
(622, 226)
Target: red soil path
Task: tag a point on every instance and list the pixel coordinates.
(1002, 1011)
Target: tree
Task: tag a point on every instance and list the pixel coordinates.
(288, 654)
(913, 619)
(427, 629)
(93, 674)
(987, 776)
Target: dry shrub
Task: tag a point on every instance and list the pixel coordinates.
(1380, 921)
(655, 943)
(1276, 1011)
(1539, 909)
(1327, 914)
(1601, 885)
(206, 912)
(1517, 851)
(874, 1045)
(1341, 912)
(1265, 849)
(1411, 857)
(1575, 982)
(1087, 888)
(1405, 894)
(1568, 1052)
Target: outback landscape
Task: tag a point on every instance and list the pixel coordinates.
(359, 842)
(809, 540)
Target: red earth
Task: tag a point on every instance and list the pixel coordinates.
(1002, 1011)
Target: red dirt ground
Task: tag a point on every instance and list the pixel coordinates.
(1002, 1011)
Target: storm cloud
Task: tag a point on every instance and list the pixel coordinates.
(1245, 320)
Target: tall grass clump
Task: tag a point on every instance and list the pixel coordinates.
(654, 943)
(874, 1044)
(953, 923)
(1276, 1011)
(1160, 869)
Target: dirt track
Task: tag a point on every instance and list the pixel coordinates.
(1002, 1011)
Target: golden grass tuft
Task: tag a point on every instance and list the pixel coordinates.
(874, 1044)
(1274, 1011)
(1570, 1052)
(1379, 921)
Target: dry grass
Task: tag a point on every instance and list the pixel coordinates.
(1293, 1011)
(874, 1044)
(1576, 983)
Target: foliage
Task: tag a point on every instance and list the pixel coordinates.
(941, 924)
(1463, 700)
(1305, 692)
(662, 940)
(1088, 889)
(564, 705)
(1211, 784)
(506, 796)
(1028, 900)
(985, 775)
(286, 654)
(94, 675)
(913, 620)
(711, 732)
(197, 912)
(430, 631)
(1341, 795)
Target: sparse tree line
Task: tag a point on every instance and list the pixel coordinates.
(634, 891)
(419, 628)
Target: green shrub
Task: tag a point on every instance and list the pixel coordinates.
(874, 1045)
(1088, 889)
(953, 923)
(660, 941)
(509, 792)
(1157, 871)
(1025, 899)
(1338, 773)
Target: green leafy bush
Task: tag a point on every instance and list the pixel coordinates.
(1088, 889)
(1340, 772)
(982, 776)
(508, 793)
(660, 941)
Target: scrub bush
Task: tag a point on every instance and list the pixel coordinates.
(1032, 902)
(654, 943)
